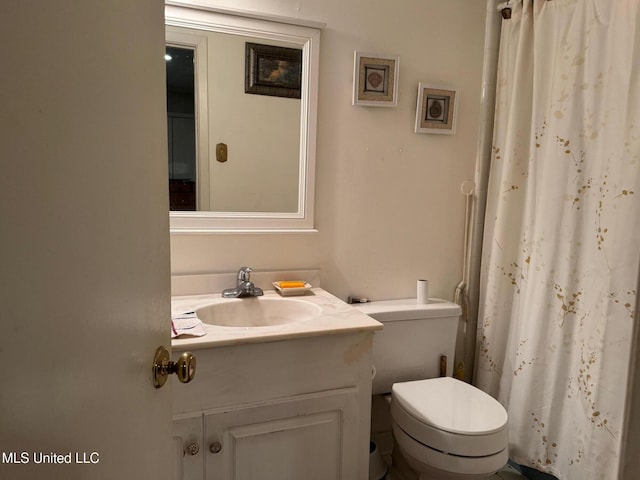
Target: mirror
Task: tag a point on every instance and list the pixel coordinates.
(242, 140)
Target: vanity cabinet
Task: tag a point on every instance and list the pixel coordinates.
(285, 410)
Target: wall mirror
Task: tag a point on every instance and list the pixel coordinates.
(241, 115)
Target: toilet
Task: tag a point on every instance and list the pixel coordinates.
(443, 428)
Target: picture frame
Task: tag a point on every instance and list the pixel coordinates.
(436, 109)
(273, 71)
(375, 80)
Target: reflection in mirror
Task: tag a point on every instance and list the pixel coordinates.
(256, 137)
(241, 108)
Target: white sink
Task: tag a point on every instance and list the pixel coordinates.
(257, 312)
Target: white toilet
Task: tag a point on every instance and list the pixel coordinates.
(443, 428)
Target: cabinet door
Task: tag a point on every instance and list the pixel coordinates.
(189, 450)
(310, 437)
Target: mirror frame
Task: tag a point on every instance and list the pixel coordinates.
(306, 34)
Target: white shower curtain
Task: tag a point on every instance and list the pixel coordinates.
(561, 248)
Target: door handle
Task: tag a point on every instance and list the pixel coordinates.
(184, 368)
(192, 449)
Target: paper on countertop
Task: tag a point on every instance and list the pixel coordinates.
(187, 323)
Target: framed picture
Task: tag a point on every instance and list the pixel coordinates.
(273, 71)
(375, 80)
(436, 109)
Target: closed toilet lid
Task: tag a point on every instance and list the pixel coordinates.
(451, 405)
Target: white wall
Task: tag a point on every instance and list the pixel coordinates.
(388, 204)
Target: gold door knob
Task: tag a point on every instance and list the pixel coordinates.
(184, 368)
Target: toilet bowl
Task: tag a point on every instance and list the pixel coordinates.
(449, 428)
(443, 428)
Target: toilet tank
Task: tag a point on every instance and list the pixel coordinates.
(414, 338)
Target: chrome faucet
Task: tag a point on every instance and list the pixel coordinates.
(244, 286)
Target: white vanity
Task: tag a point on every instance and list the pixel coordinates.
(289, 401)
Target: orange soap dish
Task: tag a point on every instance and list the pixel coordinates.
(289, 288)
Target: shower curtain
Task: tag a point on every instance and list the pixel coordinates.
(561, 247)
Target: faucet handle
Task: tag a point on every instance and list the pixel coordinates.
(244, 274)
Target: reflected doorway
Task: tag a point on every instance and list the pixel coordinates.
(181, 128)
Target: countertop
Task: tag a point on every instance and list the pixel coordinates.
(336, 317)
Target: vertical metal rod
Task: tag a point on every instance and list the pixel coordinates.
(443, 365)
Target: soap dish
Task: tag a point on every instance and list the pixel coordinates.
(291, 292)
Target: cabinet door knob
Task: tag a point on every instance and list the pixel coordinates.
(215, 447)
(192, 449)
(184, 368)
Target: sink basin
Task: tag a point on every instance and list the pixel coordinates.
(257, 312)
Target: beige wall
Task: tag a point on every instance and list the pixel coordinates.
(388, 203)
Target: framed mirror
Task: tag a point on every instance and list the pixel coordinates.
(241, 115)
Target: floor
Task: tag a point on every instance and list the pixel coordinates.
(507, 473)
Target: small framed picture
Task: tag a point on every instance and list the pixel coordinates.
(375, 80)
(274, 71)
(436, 109)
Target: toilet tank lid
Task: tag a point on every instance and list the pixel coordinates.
(409, 309)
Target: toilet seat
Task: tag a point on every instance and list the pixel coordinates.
(450, 416)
